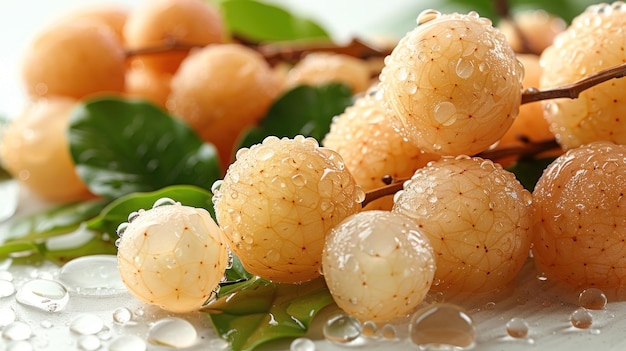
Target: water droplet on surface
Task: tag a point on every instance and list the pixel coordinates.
(442, 325)
(173, 332)
(427, 16)
(86, 324)
(88, 343)
(581, 318)
(464, 68)
(342, 329)
(94, 275)
(128, 343)
(298, 180)
(20, 346)
(388, 331)
(445, 113)
(17, 331)
(302, 344)
(164, 201)
(218, 344)
(44, 294)
(369, 328)
(122, 315)
(6, 275)
(517, 328)
(6, 288)
(46, 324)
(592, 299)
(7, 316)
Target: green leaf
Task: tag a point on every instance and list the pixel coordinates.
(304, 110)
(529, 171)
(51, 222)
(259, 311)
(117, 211)
(123, 146)
(259, 22)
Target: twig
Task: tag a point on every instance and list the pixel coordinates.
(383, 191)
(573, 90)
(528, 150)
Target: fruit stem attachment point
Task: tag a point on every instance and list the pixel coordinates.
(383, 191)
(573, 90)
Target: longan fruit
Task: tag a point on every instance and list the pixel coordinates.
(149, 85)
(74, 59)
(113, 16)
(323, 68)
(220, 90)
(35, 151)
(156, 23)
(538, 28)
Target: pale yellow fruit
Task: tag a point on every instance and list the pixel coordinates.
(113, 16)
(76, 59)
(159, 22)
(538, 28)
(35, 150)
(172, 256)
(220, 90)
(147, 84)
(322, 68)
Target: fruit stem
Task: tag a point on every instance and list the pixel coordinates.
(529, 149)
(383, 191)
(573, 90)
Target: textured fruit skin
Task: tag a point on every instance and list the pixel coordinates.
(220, 90)
(172, 256)
(371, 148)
(277, 202)
(580, 223)
(323, 68)
(453, 84)
(378, 265)
(477, 217)
(594, 41)
(74, 59)
(34, 150)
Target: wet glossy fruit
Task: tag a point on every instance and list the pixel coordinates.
(277, 202)
(323, 68)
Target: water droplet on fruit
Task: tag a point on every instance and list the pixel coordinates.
(402, 73)
(264, 153)
(122, 315)
(7, 316)
(17, 331)
(6, 288)
(298, 180)
(474, 14)
(592, 299)
(359, 195)
(173, 332)
(86, 324)
(442, 325)
(164, 201)
(581, 318)
(44, 294)
(134, 215)
(464, 68)
(128, 343)
(121, 229)
(302, 344)
(410, 87)
(215, 188)
(342, 329)
(445, 113)
(218, 344)
(95, 275)
(517, 328)
(427, 16)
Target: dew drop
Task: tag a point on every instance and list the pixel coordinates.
(427, 16)
(388, 331)
(94, 275)
(17, 331)
(517, 328)
(464, 68)
(46, 324)
(581, 318)
(121, 229)
(44, 294)
(445, 113)
(298, 180)
(302, 344)
(592, 299)
(6, 288)
(88, 343)
(86, 324)
(128, 343)
(7, 316)
(359, 195)
(218, 344)
(402, 73)
(264, 153)
(369, 328)
(164, 201)
(442, 325)
(215, 188)
(172, 332)
(342, 328)
(122, 315)
(134, 215)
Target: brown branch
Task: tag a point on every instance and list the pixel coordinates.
(528, 150)
(383, 191)
(167, 46)
(573, 90)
